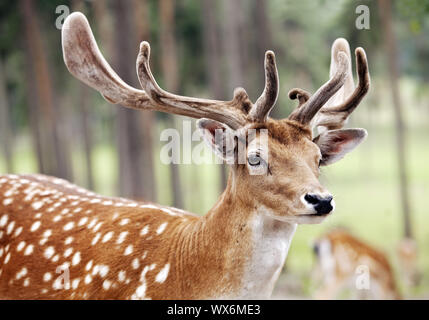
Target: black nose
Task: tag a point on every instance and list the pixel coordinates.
(322, 205)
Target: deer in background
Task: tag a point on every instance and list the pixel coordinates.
(116, 248)
(339, 255)
(407, 252)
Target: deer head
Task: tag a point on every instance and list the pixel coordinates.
(280, 169)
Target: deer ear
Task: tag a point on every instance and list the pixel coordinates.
(335, 144)
(219, 137)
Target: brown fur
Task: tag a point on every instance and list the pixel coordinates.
(217, 250)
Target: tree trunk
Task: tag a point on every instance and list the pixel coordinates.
(33, 112)
(147, 118)
(233, 42)
(104, 22)
(234, 47)
(212, 49)
(128, 127)
(171, 79)
(5, 127)
(54, 151)
(263, 41)
(385, 10)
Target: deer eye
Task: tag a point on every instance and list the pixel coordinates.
(255, 159)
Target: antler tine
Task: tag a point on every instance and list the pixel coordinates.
(268, 98)
(335, 117)
(232, 113)
(85, 61)
(300, 94)
(341, 44)
(306, 113)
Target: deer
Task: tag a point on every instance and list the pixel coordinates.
(407, 253)
(341, 258)
(116, 248)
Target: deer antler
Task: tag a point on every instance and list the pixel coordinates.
(300, 94)
(85, 61)
(307, 110)
(333, 114)
(268, 98)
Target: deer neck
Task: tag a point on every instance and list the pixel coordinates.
(244, 246)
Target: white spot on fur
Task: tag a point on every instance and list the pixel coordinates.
(161, 228)
(107, 236)
(97, 227)
(124, 222)
(17, 231)
(121, 276)
(95, 239)
(88, 279)
(76, 258)
(47, 233)
(163, 274)
(20, 246)
(103, 270)
(29, 250)
(128, 250)
(88, 266)
(106, 284)
(75, 283)
(92, 223)
(68, 252)
(135, 264)
(35, 226)
(144, 231)
(10, 227)
(49, 252)
(47, 276)
(69, 226)
(21, 273)
(83, 221)
(3, 220)
(121, 237)
(141, 291)
(37, 205)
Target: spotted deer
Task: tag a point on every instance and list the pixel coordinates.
(341, 258)
(115, 248)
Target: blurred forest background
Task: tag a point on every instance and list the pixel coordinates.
(53, 124)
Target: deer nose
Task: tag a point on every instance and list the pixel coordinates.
(322, 204)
